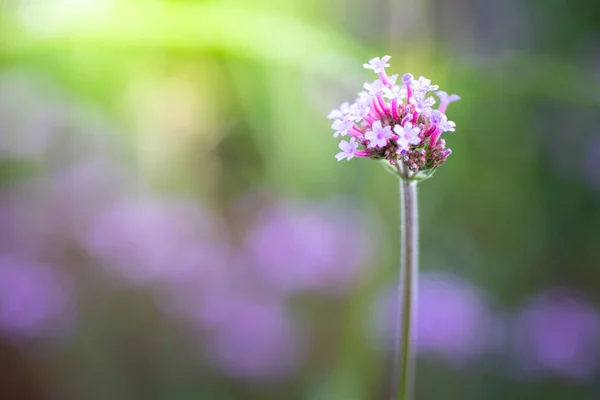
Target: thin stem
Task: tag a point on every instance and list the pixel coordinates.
(403, 370)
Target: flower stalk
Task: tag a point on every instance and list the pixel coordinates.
(403, 371)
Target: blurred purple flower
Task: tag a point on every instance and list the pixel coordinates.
(454, 321)
(40, 216)
(84, 188)
(249, 336)
(303, 247)
(557, 334)
(35, 300)
(253, 338)
(202, 275)
(149, 240)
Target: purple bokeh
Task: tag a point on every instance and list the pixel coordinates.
(84, 188)
(248, 336)
(557, 334)
(149, 240)
(306, 247)
(455, 323)
(248, 332)
(252, 338)
(42, 216)
(35, 299)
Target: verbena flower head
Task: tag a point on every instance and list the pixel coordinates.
(396, 123)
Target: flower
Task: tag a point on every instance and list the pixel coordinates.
(423, 85)
(441, 121)
(360, 109)
(446, 99)
(417, 149)
(341, 113)
(378, 64)
(341, 127)
(395, 92)
(422, 104)
(348, 150)
(409, 133)
(374, 87)
(378, 137)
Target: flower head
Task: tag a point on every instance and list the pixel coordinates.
(396, 123)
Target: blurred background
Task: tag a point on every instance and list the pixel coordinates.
(173, 223)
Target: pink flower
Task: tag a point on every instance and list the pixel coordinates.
(417, 148)
(377, 64)
(348, 149)
(379, 135)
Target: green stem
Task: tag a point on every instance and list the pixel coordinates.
(403, 378)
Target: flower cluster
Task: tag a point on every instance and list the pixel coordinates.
(395, 122)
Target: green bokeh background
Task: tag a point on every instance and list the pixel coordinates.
(215, 99)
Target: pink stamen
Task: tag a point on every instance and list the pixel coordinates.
(383, 105)
(375, 109)
(442, 107)
(429, 131)
(379, 112)
(434, 137)
(356, 132)
(384, 79)
(395, 114)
